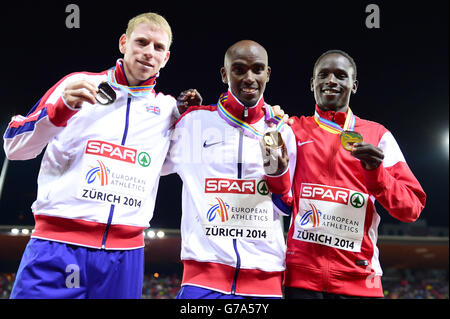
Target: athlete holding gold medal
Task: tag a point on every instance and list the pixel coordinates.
(344, 165)
(233, 245)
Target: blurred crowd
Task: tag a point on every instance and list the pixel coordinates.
(160, 286)
(6, 283)
(397, 284)
(415, 284)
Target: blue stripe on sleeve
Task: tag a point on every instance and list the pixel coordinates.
(276, 199)
(26, 127)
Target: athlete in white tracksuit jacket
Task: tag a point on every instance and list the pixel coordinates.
(232, 239)
(99, 174)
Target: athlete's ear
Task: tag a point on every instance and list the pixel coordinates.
(311, 82)
(269, 71)
(123, 43)
(355, 86)
(166, 59)
(223, 73)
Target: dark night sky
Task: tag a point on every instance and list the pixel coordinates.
(402, 72)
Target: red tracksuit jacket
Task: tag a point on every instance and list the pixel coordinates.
(331, 244)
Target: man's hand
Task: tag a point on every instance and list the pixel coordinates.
(278, 111)
(188, 98)
(370, 156)
(78, 92)
(276, 160)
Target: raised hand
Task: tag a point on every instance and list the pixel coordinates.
(370, 156)
(188, 98)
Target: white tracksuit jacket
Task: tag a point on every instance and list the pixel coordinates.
(232, 239)
(99, 175)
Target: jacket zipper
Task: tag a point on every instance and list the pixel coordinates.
(239, 176)
(124, 138)
(331, 181)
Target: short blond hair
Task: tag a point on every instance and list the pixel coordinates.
(153, 19)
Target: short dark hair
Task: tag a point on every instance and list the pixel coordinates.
(345, 54)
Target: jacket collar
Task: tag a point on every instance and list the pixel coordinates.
(121, 77)
(235, 107)
(336, 117)
(117, 78)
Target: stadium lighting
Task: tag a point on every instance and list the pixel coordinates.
(25, 231)
(160, 234)
(151, 234)
(14, 231)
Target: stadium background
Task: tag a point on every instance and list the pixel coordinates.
(403, 75)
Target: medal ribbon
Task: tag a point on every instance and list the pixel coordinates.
(334, 128)
(136, 91)
(248, 129)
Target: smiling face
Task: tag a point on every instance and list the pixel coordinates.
(145, 52)
(246, 71)
(333, 82)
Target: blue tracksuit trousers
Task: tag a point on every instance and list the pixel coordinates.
(53, 270)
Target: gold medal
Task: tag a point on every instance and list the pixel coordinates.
(273, 139)
(348, 138)
(272, 150)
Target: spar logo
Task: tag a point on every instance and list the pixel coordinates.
(118, 152)
(325, 193)
(233, 186)
(357, 200)
(99, 173)
(218, 210)
(311, 216)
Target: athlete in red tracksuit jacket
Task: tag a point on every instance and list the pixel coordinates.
(331, 243)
